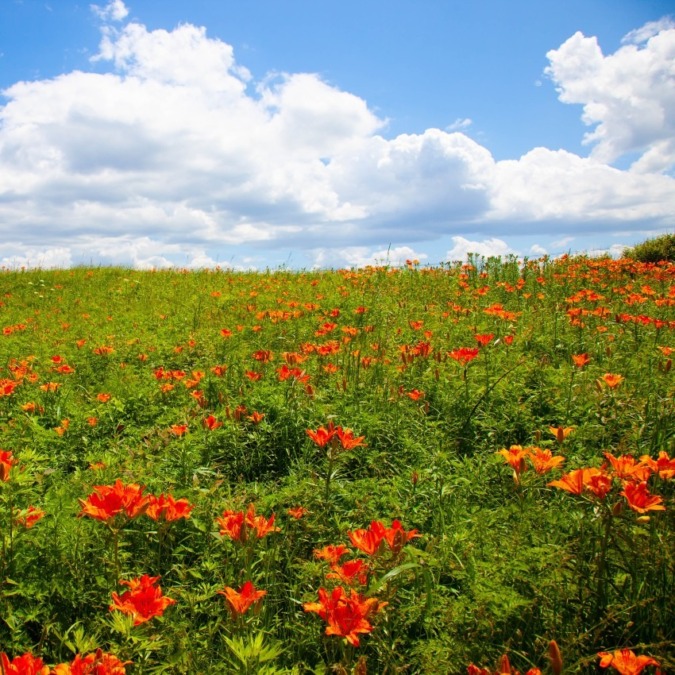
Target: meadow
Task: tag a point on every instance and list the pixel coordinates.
(463, 468)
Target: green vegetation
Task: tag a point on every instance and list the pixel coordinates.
(492, 443)
(653, 250)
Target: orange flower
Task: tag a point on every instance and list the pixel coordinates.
(415, 395)
(611, 380)
(50, 386)
(581, 360)
(368, 540)
(543, 460)
(143, 601)
(253, 376)
(167, 508)
(30, 516)
(231, 524)
(297, 512)
(27, 664)
(322, 436)
(625, 662)
(239, 602)
(627, 469)
(347, 439)
(639, 498)
(663, 466)
(484, 339)
(7, 461)
(236, 524)
(396, 536)
(96, 663)
(351, 572)
(346, 615)
(256, 417)
(262, 526)
(211, 423)
(594, 480)
(464, 355)
(108, 501)
(515, 457)
(179, 429)
(332, 553)
(103, 398)
(561, 433)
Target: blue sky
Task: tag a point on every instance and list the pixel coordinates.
(305, 133)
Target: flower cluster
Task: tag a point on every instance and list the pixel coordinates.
(143, 601)
(631, 474)
(239, 526)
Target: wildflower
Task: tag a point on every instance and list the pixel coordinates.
(347, 616)
(396, 536)
(322, 436)
(143, 601)
(350, 573)
(167, 508)
(464, 355)
(572, 482)
(30, 516)
(347, 439)
(297, 512)
(368, 540)
(256, 417)
(415, 395)
(7, 461)
(625, 662)
(236, 524)
(211, 423)
(179, 429)
(96, 663)
(611, 380)
(231, 524)
(561, 433)
(240, 601)
(103, 398)
(581, 360)
(639, 498)
(515, 457)
(253, 376)
(27, 664)
(484, 339)
(627, 469)
(50, 387)
(332, 553)
(108, 501)
(663, 466)
(555, 657)
(543, 460)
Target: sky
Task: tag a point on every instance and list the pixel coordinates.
(304, 134)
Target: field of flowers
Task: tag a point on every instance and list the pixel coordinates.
(466, 468)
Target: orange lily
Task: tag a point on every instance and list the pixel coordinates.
(240, 601)
(625, 662)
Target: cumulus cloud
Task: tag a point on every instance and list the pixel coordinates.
(177, 156)
(487, 248)
(115, 10)
(628, 96)
(362, 256)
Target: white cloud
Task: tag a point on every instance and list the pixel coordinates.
(536, 249)
(177, 157)
(487, 248)
(115, 10)
(629, 96)
(459, 124)
(362, 256)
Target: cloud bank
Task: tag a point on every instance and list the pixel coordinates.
(176, 156)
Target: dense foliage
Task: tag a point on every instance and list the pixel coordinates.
(653, 250)
(383, 470)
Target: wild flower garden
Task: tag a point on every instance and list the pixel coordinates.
(460, 469)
